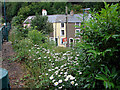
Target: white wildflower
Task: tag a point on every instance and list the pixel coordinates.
(49, 70)
(66, 79)
(65, 72)
(72, 82)
(76, 63)
(65, 75)
(53, 81)
(48, 52)
(72, 78)
(56, 67)
(46, 73)
(59, 75)
(37, 52)
(56, 83)
(39, 58)
(60, 81)
(45, 57)
(60, 87)
(38, 48)
(61, 72)
(80, 72)
(51, 77)
(76, 84)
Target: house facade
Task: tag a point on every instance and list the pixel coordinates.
(63, 28)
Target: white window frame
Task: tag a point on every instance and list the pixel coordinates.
(77, 32)
(61, 40)
(51, 38)
(76, 39)
(61, 25)
(61, 32)
(70, 42)
(76, 24)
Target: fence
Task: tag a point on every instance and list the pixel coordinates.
(4, 30)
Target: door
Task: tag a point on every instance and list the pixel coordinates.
(56, 40)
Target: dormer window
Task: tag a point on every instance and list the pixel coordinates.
(62, 25)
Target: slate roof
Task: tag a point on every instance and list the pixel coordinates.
(61, 18)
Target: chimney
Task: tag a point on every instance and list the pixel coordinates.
(71, 13)
(44, 12)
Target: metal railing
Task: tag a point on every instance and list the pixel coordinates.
(0, 39)
(4, 30)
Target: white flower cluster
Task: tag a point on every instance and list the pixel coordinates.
(58, 66)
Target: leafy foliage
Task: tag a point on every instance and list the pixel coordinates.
(36, 36)
(17, 20)
(42, 24)
(100, 43)
(93, 64)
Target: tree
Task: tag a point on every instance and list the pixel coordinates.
(42, 24)
(17, 20)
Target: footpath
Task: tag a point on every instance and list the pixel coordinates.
(15, 69)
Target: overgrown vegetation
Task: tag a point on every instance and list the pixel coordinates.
(101, 43)
(93, 64)
(41, 23)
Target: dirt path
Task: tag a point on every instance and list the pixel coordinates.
(15, 69)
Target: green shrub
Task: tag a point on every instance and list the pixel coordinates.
(17, 20)
(36, 36)
(42, 24)
(100, 47)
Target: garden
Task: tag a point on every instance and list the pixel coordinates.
(92, 63)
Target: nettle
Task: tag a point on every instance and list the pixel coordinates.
(100, 45)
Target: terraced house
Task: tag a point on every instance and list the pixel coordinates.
(64, 27)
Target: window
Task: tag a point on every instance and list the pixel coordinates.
(62, 32)
(61, 41)
(71, 41)
(78, 24)
(62, 25)
(51, 39)
(77, 40)
(77, 33)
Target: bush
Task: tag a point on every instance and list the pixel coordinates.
(36, 36)
(41, 23)
(100, 45)
(17, 20)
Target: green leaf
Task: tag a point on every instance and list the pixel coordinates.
(116, 35)
(87, 85)
(76, 26)
(112, 84)
(94, 85)
(92, 51)
(106, 85)
(101, 77)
